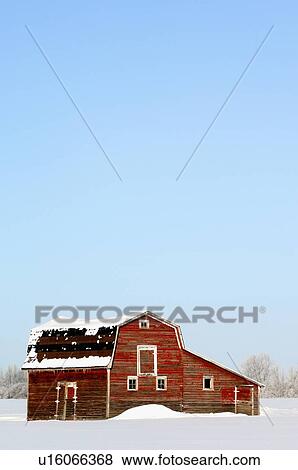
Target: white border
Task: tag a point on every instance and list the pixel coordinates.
(132, 377)
(211, 377)
(146, 347)
(165, 378)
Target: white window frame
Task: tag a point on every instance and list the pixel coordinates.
(67, 386)
(211, 382)
(132, 377)
(165, 378)
(144, 321)
(146, 347)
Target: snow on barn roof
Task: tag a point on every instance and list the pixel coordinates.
(79, 344)
(68, 363)
(65, 323)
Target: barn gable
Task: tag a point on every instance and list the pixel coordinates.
(147, 366)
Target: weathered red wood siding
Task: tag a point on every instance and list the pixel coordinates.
(91, 393)
(197, 400)
(125, 364)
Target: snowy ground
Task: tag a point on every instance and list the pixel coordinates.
(155, 427)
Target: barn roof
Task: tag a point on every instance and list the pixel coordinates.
(79, 344)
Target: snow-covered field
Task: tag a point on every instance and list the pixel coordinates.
(155, 427)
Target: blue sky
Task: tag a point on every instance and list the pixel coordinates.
(149, 77)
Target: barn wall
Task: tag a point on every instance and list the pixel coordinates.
(125, 363)
(91, 393)
(221, 399)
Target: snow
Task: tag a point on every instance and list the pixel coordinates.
(154, 427)
(280, 407)
(160, 412)
(37, 332)
(149, 412)
(91, 326)
(62, 363)
(12, 410)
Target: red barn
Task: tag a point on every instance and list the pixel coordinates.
(98, 370)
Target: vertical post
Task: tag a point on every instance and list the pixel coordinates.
(252, 401)
(65, 400)
(57, 399)
(108, 394)
(235, 392)
(28, 394)
(75, 401)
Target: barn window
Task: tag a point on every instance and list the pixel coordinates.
(161, 382)
(132, 383)
(144, 324)
(147, 360)
(208, 382)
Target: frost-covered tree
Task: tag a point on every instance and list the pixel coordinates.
(292, 383)
(258, 367)
(277, 384)
(13, 383)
